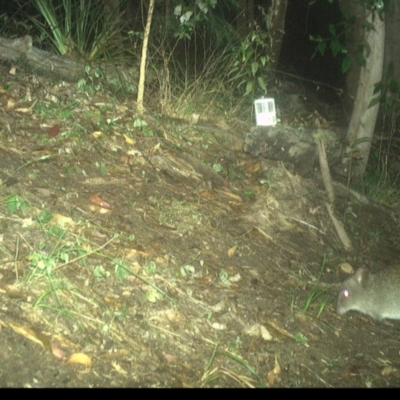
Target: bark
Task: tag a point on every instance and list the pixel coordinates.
(355, 36)
(143, 60)
(363, 119)
(20, 51)
(295, 147)
(245, 19)
(276, 28)
(392, 53)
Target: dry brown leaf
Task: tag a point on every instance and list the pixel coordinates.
(194, 119)
(144, 254)
(57, 352)
(235, 278)
(25, 110)
(63, 220)
(119, 369)
(231, 195)
(98, 209)
(347, 268)
(100, 202)
(166, 316)
(131, 254)
(170, 358)
(14, 292)
(275, 373)
(128, 139)
(34, 336)
(388, 371)
(10, 103)
(265, 333)
(218, 327)
(113, 302)
(155, 148)
(231, 251)
(253, 330)
(80, 358)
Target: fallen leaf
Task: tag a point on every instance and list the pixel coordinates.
(231, 251)
(235, 278)
(119, 369)
(14, 292)
(80, 358)
(100, 202)
(63, 220)
(388, 371)
(27, 110)
(131, 254)
(194, 119)
(10, 103)
(218, 327)
(53, 131)
(57, 352)
(275, 373)
(128, 139)
(27, 222)
(170, 358)
(253, 330)
(155, 149)
(31, 334)
(346, 267)
(265, 333)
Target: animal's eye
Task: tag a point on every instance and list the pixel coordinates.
(345, 293)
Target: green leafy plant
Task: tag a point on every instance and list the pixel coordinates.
(317, 296)
(16, 203)
(251, 63)
(338, 33)
(81, 27)
(334, 42)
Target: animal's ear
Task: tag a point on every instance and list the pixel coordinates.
(362, 276)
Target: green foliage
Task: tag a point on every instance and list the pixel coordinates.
(379, 183)
(334, 40)
(10, 26)
(338, 33)
(251, 63)
(190, 18)
(82, 28)
(16, 203)
(318, 297)
(388, 90)
(44, 217)
(377, 5)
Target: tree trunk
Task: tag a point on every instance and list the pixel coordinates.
(44, 63)
(142, 76)
(276, 28)
(245, 19)
(363, 119)
(354, 38)
(392, 53)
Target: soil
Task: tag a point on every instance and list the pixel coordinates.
(164, 256)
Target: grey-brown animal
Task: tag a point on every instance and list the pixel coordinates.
(377, 295)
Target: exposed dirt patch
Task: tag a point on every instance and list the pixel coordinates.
(156, 269)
